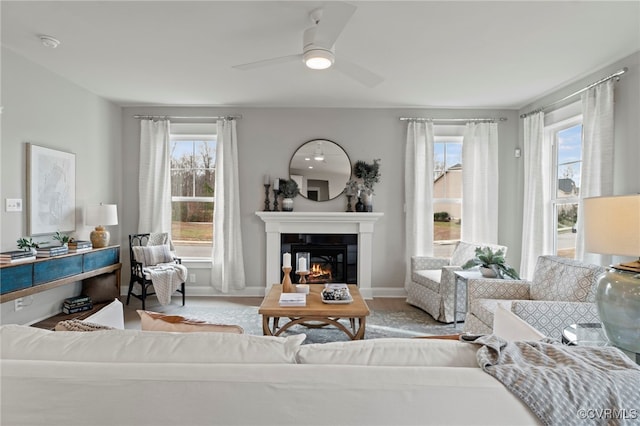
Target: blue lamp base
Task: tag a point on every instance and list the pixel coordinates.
(618, 301)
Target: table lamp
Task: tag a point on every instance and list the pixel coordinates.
(612, 226)
(101, 216)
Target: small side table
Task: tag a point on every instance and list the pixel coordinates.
(461, 279)
(584, 334)
(591, 334)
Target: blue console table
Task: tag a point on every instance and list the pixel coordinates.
(36, 276)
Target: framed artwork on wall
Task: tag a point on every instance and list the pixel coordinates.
(51, 190)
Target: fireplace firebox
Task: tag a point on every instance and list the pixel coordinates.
(333, 257)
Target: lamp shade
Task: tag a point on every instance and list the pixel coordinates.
(102, 215)
(612, 225)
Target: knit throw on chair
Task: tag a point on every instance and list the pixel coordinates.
(166, 278)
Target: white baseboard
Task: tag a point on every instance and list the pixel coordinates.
(203, 291)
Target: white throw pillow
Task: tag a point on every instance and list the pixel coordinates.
(152, 255)
(392, 352)
(511, 327)
(133, 346)
(111, 315)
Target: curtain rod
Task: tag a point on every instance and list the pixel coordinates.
(615, 75)
(453, 120)
(175, 117)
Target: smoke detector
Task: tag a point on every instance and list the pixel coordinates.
(49, 41)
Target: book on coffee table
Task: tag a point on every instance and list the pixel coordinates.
(293, 299)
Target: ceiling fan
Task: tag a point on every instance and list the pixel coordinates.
(318, 45)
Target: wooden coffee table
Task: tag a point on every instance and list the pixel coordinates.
(316, 314)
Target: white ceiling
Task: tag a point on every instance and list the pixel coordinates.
(473, 54)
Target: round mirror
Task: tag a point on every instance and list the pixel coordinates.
(321, 168)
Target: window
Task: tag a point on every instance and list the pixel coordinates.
(447, 193)
(566, 141)
(193, 159)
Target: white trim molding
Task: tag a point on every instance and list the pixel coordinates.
(277, 223)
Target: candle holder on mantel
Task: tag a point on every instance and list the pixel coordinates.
(303, 276)
(266, 197)
(349, 209)
(275, 200)
(287, 286)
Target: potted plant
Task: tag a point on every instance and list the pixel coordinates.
(369, 173)
(62, 238)
(289, 190)
(27, 244)
(492, 263)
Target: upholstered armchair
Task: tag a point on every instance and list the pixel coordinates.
(433, 281)
(561, 292)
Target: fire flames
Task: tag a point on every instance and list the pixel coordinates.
(319, 273)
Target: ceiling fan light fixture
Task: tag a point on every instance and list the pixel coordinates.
(318, 155)
(48, 41)
(318, 59)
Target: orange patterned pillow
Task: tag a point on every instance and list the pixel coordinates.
(154, 321)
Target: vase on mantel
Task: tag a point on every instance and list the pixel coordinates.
(367, 200)
(287, 204)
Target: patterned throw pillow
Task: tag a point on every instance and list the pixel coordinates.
(560, 279)
(79, 325)
(158, 238)
(152, 255)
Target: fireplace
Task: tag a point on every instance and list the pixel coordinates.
(327, 223)
(333, 257)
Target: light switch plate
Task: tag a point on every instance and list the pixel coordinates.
(13, 205)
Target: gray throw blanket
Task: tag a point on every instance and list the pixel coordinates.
(566, 385)
(166, 277)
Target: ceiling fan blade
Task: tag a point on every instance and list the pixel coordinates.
(268, 62)
(335, 15)
(355, 71)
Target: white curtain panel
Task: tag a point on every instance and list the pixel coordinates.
(418, 187)
(536, 220)
(597, 157)
(228, 262)
(154, 181)
(480, 183)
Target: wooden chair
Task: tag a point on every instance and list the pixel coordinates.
(142, 277)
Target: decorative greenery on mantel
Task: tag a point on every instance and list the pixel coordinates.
(369, 173)
(288, 188)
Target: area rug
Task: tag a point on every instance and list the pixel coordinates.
(409, 322)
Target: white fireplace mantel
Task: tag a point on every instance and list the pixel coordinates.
(277, 223)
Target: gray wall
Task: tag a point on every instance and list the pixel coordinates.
(268, 137)
(627, 119)
(44, 109)
(627, 126)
